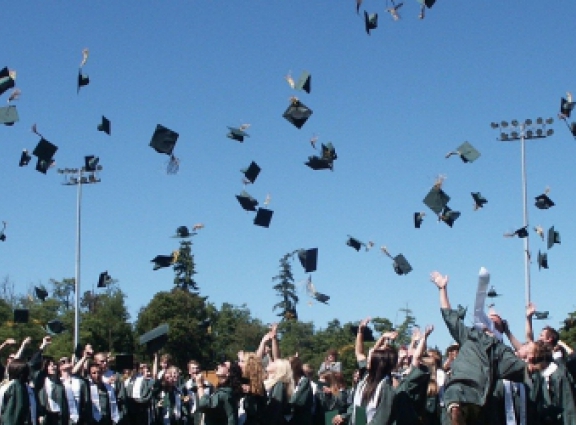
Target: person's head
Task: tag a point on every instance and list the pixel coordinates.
(254, 372)
(381, 363)
(101, 359)
(308, 371)
(144, 370)
(10, 358)
(18, 370)
(452, 351)
(549, 335)
(280, 371)
(542, 353)
(49, 366)
(339, 381)
(65, 365)
(331, 356)
(165, 361)
(222, 373)
(194, 368)
(95, 372)
(234, 380)
(296, 365)
(436, 356)
(355, 376)
(170, 376)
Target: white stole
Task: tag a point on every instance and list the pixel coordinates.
(509, 402)
(137, 387)
(549, 371)
(97, 409)
(72, 387)
(49, 387)
(177, 410)
(372, 404)
(3, 387)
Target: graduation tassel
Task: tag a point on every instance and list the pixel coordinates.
(369, 245)
(267, 200)
(14, 95)
(244, 127)
(35, 130)
(540, 231)
(85, 53)
(289, 79)
(313, 140)
(173, 165)
(197, 226)
(385, 252)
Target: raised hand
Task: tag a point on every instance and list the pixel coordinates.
(439, 280)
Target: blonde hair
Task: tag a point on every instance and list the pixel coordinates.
(282, 373)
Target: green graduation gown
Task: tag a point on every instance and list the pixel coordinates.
(301, 403)
(220, 408)
(15, 405)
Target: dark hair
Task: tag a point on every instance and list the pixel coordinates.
(552, 334)
(297, 369)
(542, 352)
(19, 370)
(382, 362)
(332, 352)
(46, 360)
(234, 380)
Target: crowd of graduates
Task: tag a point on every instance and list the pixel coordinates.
(479, 380)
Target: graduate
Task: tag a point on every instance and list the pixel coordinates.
(302, 399)
(77, 394)
(17, 400)
(139, 395)
(194, 370)
(255, 399)
(52, 395)
(114, 379)
(221, 408)
(103, 399)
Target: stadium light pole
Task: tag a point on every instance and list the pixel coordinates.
(76, 177)
(524, 131)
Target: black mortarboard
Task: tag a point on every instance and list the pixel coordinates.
(42, 165)
(354, 243)
(251, 172)
(41, 293)
(323, 298)
(247, 201)
(553, 237)
(573, 129)
(44, 150)
(237, 134)
(492, 293)
(24, 158)
(182, 232)
(479, 200)
(161, 261)
(317, 163)
(466, 151)
(123, 362)
(542, 260)
(163, 140)
(104, 279)
(308, 258)
(541, 315)
(6, 81)
(449, 216)
(263, 217)
(156, 338)
(428, 3)
(9, 115)
(55, 327)
(370, 21)
(21, 315)
(83, 80)
(329, 152)
(304, 82)
(521, 233)
(366, 332)
(418, 219)
(91, 163)
(105, 126)
(436, 199)
(401, 265)
(543, 202)
(566, 107)
(297, 113)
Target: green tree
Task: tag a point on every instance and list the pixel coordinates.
(405, 328)
(63, 291)
(568, 331)
(297, 337)
(286, 289)
(185, 268)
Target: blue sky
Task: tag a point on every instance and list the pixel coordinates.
(393, 104)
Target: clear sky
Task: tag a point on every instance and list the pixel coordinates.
(393, 104)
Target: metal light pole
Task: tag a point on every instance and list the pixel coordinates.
(76, 177)
(524, 131)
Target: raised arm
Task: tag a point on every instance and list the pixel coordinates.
(513, 340)
(441, 283)
(421, 346)
(23, 346)
(263, 341)
(385, 340)
(155, 366)
(359, 347)
(6, 343)
(274, 337)
(530, 309)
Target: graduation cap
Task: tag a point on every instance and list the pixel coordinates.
(263, 217)
(304, 82)
(317, 163)
(329, 152)
(425, 3)
(104, 279)
(163, 140)
(105, 126)
(542, 260)
(297, 113)
(9, 115)
(366, 333)
(124, 362)
(182, 232)
(2, 234)
(6, 80)
(541, 315)
(237, 134)
(543, 202)
(358, 4)
(44, 150)
(492, 293)
(566, 106)
(41, 293)
(354, 243)
(400, 264)
(251, 172)
(54, 327)
(479, 200)
(24, 158)
(156, 338)
(161, 261)
(247, 201)
(83, 80)
(308, 258)
(449, 216)
(418, 219)
(370, 21)
(43, 165)
(323, 298)
(553, 237)
(521, 233)
(572, 128)
(91, 163)
(21, 315)
(436, 199)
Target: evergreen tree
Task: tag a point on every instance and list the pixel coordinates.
(184, 268)
(286, 289)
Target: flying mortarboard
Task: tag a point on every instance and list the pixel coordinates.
(479, 200)
(323, 298)
(399, 263)
(354, 243)
(449, 216)
(123, 362)
(425, 3)
(91, 163)
(2, 232)
(9, 115)
(237, 134)
(83, 80)
(44, 149)
(492, 293)
(317, 163)
(553, 237)
(297, 113)
(163, 140)
(366, 333)
(182, 232)
(42, 165)
(466, 151)
(521, 233)
(418, 219)
(370, 21)
(24, 158)
(309, 259)
(304, 82)
(105, 126)
(6, 80)
(263, 217)
(156, 338)
(541, 315)
(329, 152)
(566, 106)
(104, 279)
(358, 4)
(247, 201)
(542, 260)
(41, 293)
(21, 315)
(54, 327)
(251, 172)
(436, 199)
(161, 261)
(543, 202)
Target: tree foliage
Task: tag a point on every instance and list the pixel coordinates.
(185, 268)
(286, 289)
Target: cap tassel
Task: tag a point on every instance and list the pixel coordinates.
(267, 200)
(14, 95)
(244, 127)
(313, 141)
(369, 245)
(85, 53)
(439, 181)
(35, 131)
(422, 14)
(289, 79)
(197, 226)
(385, 252)
(294, 100)
(12, 74)
(540, 231)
